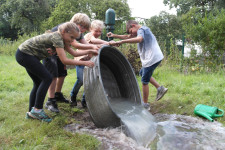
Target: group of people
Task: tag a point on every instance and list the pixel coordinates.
(51, 47)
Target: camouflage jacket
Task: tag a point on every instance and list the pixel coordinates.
(42, 46)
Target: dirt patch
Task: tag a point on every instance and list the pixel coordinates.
(84, 118)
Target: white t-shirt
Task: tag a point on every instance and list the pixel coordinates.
(149, 50)
(87, 37)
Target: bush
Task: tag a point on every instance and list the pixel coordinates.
(206, 30)
(8, 47)
(131, 53)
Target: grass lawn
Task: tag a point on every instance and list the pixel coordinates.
(185, 92)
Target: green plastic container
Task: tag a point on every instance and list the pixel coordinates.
(208, 112)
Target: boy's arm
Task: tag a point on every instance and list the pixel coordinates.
(79, 53)
(66, 61)
(110, 34)
(137, 39)
(84, 45)
(83, 41)
(98, 41)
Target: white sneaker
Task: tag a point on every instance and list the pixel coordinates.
(161, 91)
(146, 106)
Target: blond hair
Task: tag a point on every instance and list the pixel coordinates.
(82, 20)
(97, 24)
(68, 27)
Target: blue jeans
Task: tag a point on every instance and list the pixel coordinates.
(146, 73)
(78, 83)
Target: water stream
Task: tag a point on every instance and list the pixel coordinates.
(138, 122)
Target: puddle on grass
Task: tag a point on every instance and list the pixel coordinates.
(187, 133)
(173, 132)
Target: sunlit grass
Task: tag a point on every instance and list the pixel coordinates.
(187, 91)
(16, 132)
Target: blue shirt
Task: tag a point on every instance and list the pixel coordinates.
(149, 50)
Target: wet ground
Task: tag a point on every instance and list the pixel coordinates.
(173, 132)
(111, 138)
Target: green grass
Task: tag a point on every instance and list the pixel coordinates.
(18, 133)
(9, 47)
(185, 92)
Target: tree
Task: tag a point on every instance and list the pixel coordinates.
(183, 6)
(95, 9)
(203, 23)
(63, 12)
(206, 31)
(165, 27)
(6, 30)
(24, 15)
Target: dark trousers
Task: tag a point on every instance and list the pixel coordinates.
(40, 76)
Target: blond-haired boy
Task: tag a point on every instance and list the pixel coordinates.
(93, 38)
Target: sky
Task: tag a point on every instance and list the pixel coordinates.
(148, 8)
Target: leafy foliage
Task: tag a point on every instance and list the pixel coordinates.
(131, 53)
(8, 47)
(95, 9)
(6, 30)
(203, 24)
(202, 21)
(25, 15)
(165, 27)
(206, 31)
(183, 6)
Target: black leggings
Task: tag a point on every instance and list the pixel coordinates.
(40, 76)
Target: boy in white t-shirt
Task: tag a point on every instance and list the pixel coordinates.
(150, 55)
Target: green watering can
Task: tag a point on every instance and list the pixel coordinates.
(208, 112)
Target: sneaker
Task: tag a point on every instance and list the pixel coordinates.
(38, 115)
(146, 106)
(28, 117)
(83, 103)
(60, 98)
(161, 91)
(52, 106)
(73, 101)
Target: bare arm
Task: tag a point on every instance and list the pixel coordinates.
(80, 53)
(110, 34)
(137, 39)
(84, 45)
(98, 41)
(62, 56)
